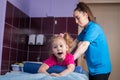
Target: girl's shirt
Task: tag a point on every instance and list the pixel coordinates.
(51, 61)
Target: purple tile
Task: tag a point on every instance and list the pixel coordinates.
(13, 56)
(36, 26)
(20, 56)
(24, 56)
(15, 32)
(6, 54)
(22, 42)
(44, 56)
(27, 22)
(5, 65)
(47, 25)
(9, 13)
(33, 56)
(16, 17)
(7, 35)
(36, 48)
(61, 25)
(22, 19)
(14, 41)
(45, 46)
(5, 60)
(72, 26)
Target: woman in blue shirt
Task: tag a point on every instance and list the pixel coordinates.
(92, 42)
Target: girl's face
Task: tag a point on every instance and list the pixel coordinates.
(59, 48)
(81, 18)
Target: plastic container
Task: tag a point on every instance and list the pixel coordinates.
(15, 67)
(21, 68)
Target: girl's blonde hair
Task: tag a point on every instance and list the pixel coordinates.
(65, 36)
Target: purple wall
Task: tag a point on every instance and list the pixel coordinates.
(44, 8)
(23, 5)
(2, 21)
(14, 48)
(55, 8)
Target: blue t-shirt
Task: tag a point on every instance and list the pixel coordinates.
(97, 54)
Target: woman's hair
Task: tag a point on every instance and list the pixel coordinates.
(81, 6)
(65, 36)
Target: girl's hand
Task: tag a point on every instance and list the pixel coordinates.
(55, 74)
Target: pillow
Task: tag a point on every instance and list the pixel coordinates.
(32, 67)
(58, 69)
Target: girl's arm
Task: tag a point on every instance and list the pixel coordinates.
(70, 68)
(82, 47)
(43, 68)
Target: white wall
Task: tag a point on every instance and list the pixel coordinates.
(2, 21)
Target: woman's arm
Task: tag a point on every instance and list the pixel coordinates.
(82, 47)
(43, 68)
(70, 68)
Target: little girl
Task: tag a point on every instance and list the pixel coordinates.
(60, 46)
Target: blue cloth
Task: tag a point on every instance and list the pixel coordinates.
(40, 76)
(97, 54)
(33, 68)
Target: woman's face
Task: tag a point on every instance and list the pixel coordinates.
(59, 48)
(81, 18)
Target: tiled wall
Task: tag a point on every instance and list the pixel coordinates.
(17, 28)
(48, 27)
(15, 35)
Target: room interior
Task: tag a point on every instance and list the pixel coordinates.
(19, 23)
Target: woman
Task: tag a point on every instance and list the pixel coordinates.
(92, 42)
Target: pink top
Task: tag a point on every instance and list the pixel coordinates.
(51, 61)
